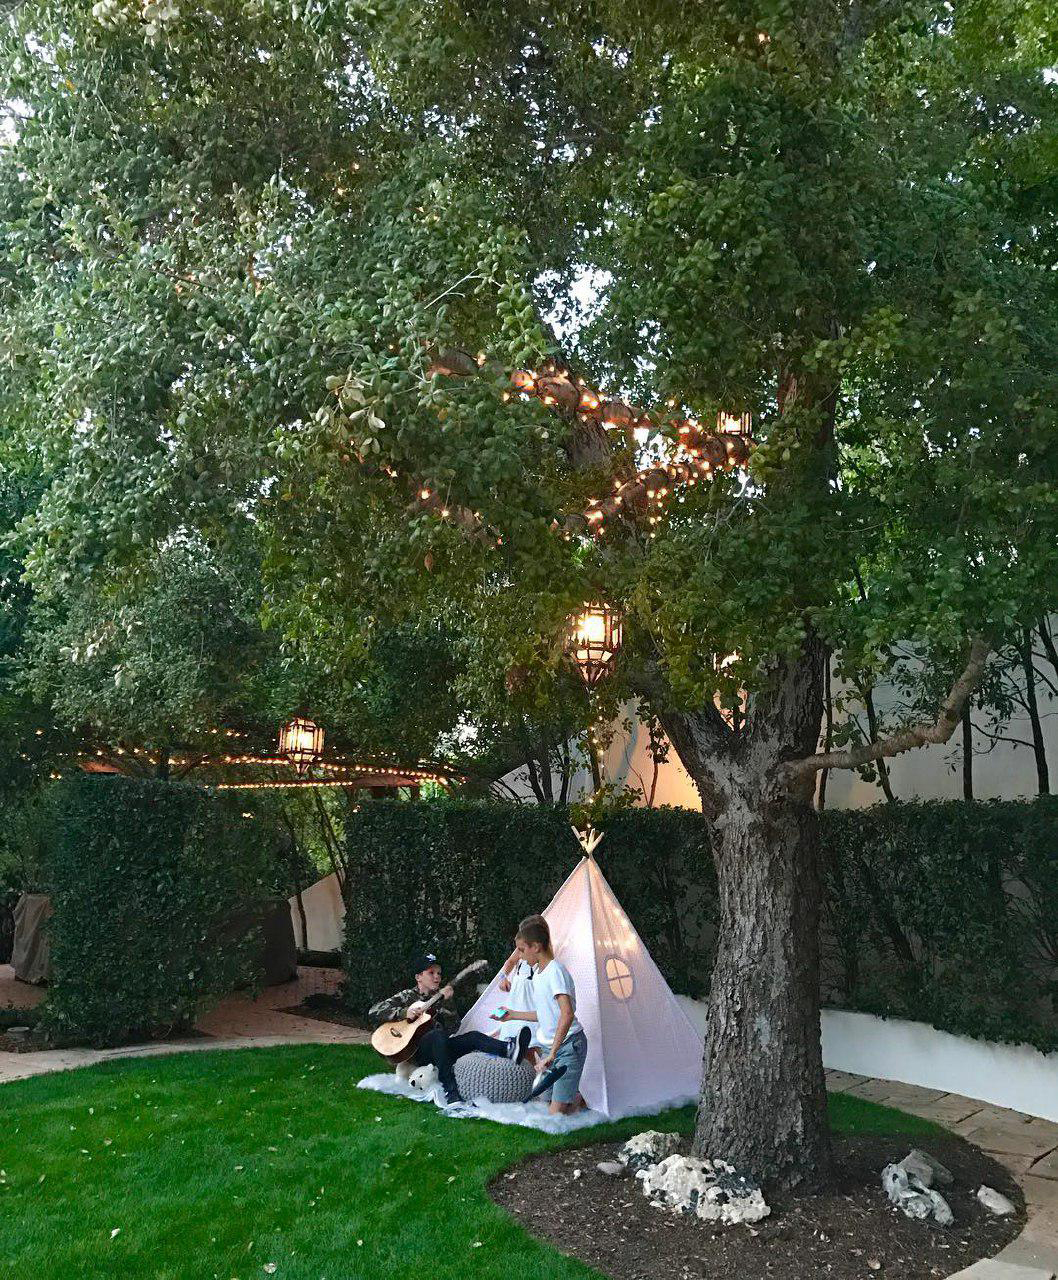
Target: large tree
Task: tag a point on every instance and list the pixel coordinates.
(241, 235)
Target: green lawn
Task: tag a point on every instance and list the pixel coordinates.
(222, 1164)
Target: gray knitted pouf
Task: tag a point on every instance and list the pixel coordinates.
(480, 1075)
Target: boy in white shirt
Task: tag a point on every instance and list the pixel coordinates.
(558, 1033)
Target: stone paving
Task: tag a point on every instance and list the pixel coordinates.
(1024, 1144)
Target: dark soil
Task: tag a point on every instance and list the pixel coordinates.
(326, 1008)
(848, 1232)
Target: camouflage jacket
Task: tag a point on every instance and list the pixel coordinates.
(447, 1013)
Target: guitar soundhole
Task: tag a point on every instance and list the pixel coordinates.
(395, 1031)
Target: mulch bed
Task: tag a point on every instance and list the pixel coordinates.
(325, 1008)
(848, 1232)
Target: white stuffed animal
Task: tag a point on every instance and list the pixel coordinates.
(423, 1079)
(404, 1071)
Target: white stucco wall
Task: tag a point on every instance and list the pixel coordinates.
(324, 915)
(1002, 771)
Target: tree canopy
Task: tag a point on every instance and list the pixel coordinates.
(837, 218)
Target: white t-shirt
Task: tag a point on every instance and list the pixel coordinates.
(548, 983)
(521, 997)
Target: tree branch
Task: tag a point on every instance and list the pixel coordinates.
(916, 735)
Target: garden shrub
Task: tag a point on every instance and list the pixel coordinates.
(146, 878)
(457, 876)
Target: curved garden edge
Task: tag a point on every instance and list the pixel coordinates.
(1026, 1145)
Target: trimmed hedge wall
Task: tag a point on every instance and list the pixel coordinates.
(456, 876)
(946, 913)
(942, 912)
(154, 886)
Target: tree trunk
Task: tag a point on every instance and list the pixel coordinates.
(1039, 745)
(828, 734)
(967, 753)
(763, 1104)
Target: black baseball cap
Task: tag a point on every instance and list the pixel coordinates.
(424, 960)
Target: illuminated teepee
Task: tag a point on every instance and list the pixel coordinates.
(643, 1053)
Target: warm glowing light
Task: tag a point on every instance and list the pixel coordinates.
(734, 424)
(593, 641)
(301, 742)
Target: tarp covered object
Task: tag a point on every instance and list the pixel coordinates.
(643, 1052)
(279, 958)
(30, 948)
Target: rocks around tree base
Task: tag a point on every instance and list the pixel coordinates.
(930, 1172)
(647, 1149)
(847, 1230)
(995, 1202)
(912, 1194)
(711, 1189)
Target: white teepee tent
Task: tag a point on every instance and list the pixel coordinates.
(643, 1053)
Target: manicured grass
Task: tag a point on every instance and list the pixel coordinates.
(219, 1164)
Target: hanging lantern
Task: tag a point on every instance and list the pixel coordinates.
(593, 641)
(734, 424)
(301, 742)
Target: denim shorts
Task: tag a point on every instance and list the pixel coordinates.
(571, 1054)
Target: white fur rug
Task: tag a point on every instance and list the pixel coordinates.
(530, 1115)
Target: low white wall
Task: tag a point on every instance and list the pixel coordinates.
(1006, 1075)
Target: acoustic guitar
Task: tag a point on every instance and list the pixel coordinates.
(397, 1041)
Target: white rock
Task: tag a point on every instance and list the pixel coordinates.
(612, 1168)
(929, 1172)
(711, 1189)
(649, 1148)
(995, 1202)
(914, 1199)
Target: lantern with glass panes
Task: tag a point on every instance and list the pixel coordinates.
(301, 741)
(593, 641)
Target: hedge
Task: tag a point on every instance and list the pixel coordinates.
(947, 913)
(942, 912)
(457, 876)
(154, 886)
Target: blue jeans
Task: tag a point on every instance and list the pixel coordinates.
(572, 1053)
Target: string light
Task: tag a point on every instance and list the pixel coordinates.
(702, 452)
(287, 784)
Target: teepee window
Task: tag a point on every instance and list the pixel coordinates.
(619, 977)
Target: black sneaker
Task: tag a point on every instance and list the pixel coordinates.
(522, 1044)
(545, 1081)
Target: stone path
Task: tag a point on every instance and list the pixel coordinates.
(1027, 1146)
(238, 1022)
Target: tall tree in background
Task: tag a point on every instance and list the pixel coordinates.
(239, 235)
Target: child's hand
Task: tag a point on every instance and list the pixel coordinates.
(414, 1010)
(504, 983)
